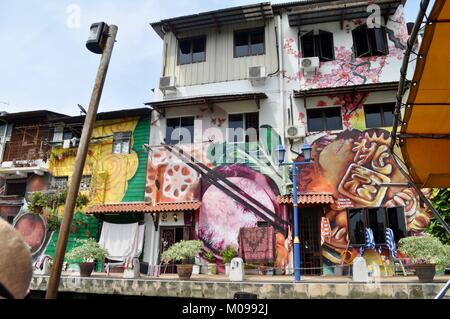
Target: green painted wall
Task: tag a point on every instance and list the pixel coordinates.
(136, 186)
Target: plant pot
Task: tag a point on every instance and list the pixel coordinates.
(212, 269)
(184, 271)
(425, 272)
(86, 269)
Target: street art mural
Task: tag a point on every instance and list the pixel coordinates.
(346, 69)
(351, 165)
(220, 218)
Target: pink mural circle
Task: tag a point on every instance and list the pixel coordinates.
(221, 217)
(32, 229)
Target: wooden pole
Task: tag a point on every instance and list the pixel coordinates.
(52, 288)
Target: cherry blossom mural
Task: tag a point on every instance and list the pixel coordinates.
(346, 69)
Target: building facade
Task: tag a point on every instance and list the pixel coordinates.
(314, 72)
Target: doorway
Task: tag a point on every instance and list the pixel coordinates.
(168, 237)
(310, 249)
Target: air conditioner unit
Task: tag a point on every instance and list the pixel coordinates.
(256, 73)
(167, 83)
(295, 132)
(309, 65)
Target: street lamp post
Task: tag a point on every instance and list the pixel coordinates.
(306, 149)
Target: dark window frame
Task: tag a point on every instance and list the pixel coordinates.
(191, 54)
(381, 108)
(365, 211)
(245, 126)
(249, 43)
(317, 45)
(179, 118)
(323, 110)
(369, 45)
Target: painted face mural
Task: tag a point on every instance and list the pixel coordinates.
(351, 165)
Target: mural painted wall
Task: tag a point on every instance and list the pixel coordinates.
(218, 221)
(114, 177)
(350, 165)
(346, 69)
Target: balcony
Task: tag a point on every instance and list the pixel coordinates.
(20, 159)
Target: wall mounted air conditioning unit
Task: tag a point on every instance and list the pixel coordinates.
(295, 132)
(309, 65)
(167, 83)
(256, 74)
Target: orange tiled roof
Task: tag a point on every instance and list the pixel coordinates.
(140, 207)
(307, 198)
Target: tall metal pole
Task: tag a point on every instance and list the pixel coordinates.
(52, 289)
(297, 260)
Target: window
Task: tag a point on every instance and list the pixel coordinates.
(370, 41)
(16, 187)
(377, 219)
(192, 50)
(249, 42)
(324, 119)
(320, 45)
(379, 115)
(59, 182)
(242, 127)
(85, 183)
(180, 130)
(121, 142)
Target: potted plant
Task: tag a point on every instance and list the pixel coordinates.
(86, 254)
(183, 252)
(426, 252)
(212, 267)
(37, 202)
(227, 255)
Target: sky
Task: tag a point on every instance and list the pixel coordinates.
(44, 63)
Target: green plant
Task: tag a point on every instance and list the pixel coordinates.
(37, 201)
(88, 250)
(209, 256)
(425, 249)
(228, 254)
(440, 197)
(182, 251)
(53, 222)
(80, 220)
(82, 200)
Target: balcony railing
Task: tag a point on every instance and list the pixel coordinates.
(19, 151)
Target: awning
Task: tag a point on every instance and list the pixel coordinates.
(307, 198)
(425, 133)
(208, 100)
(374, 87)
(214, 19)
(140, 207)
(313, 12)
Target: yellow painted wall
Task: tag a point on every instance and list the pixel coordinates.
(109, 172)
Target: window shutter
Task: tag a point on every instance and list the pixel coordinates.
(360, 41)
(381, 46)
(326, 45)
(307, 41)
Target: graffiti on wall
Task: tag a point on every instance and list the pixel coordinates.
(110, 173)
(351, 165)
(346, 69)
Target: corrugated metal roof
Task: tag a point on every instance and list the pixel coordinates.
(307, 198)
(313, 12)
(371, 87)
(215, 18)
(141, 207)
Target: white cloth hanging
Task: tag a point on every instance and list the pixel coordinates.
(122, 241)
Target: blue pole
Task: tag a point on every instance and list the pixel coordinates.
(296, 233)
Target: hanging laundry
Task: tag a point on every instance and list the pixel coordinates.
(122, 241)
(325, 230)
(257, 244)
